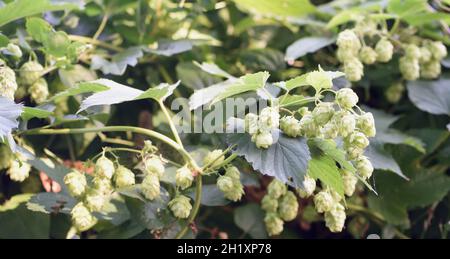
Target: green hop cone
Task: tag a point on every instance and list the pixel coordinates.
(76, 183)
(288, 207)
(366, 124)
(180, 206)
(323, 201)
(364, 167)
(233, 173)
(345, 122)
(184, 177)
(263, 139)
(19, 170)
(269, 119)
(348, 39)
(269, 204)
(430, 69)
(124, 177)
(214, 158)
(274, 225)
(82, 219)
(368, 55)
(437, 49)
(150, 187)
(236, 193)
(409, 68)
(225, 183)
(425, 55)
(395, 92)
(14, 50)
(95, 200)
(323, 112)
(6, 157)
(309, 185)
(335, 218)
(276, 189)
(353, 152)
(353, 69)
(30, 72)
(346, 98)
(290, 126)
(104, 168)
(154, 165)
(251, 123)
(309, 126)
(385, 50)
(343, 55)
(8, 84)
(39, 91)
(103, 185)
(412, 51)
(349, 180)
(329, 130)
(356, 139)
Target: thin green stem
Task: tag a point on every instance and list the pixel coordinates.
(195, 208)
(138, 130)
(171, 124)
(95, 42)
(101, 27)
(394, 26)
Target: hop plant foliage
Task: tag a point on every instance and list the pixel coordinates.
(333, 116)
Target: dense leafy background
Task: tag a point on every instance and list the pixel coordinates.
(213, 44)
